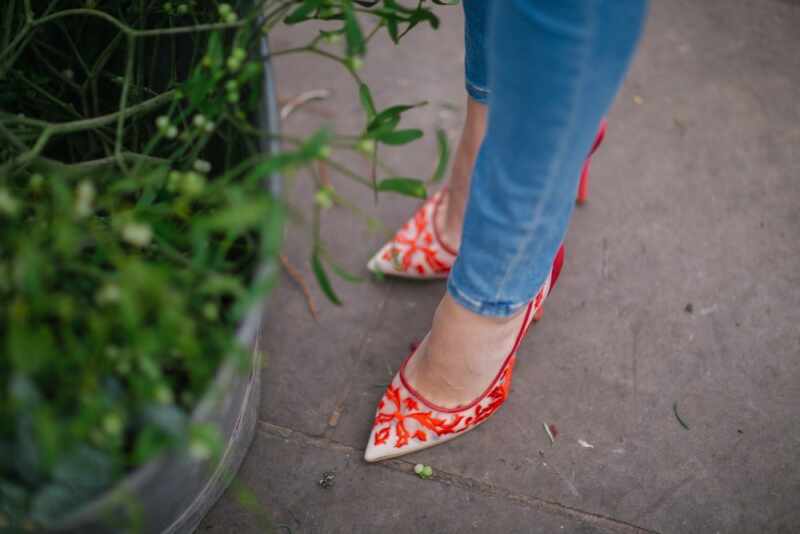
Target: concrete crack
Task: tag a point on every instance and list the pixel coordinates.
(466, 483)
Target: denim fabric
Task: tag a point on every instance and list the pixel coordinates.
(476, 17)
(551, 69)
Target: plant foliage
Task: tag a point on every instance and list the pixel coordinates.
(134, 217)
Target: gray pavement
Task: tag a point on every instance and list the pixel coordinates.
(682, 285)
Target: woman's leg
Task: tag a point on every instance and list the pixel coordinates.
(554, 68)
(451, 217)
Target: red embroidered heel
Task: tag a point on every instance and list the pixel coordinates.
(406, 422)
(583, 186)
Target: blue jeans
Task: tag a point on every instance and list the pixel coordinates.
(548, 70)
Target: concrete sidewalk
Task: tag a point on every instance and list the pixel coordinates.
(681, 288)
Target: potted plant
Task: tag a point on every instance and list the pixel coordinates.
(140, 218)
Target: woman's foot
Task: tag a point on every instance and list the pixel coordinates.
(462, 354)
(455, 381)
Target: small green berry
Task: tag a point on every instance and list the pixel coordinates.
(419, 468)
(367, 146)
(355, 63)
(84, 198)
(427, 471)
(207, 62)
(109, 294)
(193, 183)
(224, 9)
(137, 234)
(8, 204)
(209, 127)
(112, 424)
(210, 311)
(233, 64)
(233, 97)
(171, 133)
(324, 152)
(174, 180)
(239, 53)
(37, 182)
(199, 120)
(202, 166)
(323, 198)
(163, 394)
(231, 86)
(199, 449)
(183, 9)
(162, 122)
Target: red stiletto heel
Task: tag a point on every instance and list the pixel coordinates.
(583, 186)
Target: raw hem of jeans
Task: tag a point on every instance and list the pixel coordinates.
(477, 92)
(490, 309)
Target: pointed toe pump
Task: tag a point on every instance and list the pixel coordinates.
(406, 422)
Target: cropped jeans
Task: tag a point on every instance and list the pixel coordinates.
(548, 71)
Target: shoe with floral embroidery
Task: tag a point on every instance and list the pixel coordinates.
(417, 251)
(406, 422)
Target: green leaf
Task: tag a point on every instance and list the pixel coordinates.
(444, 155)
(341, 272)
(422, 15)
(303, 12)
(391, 27)
(399, 137)
(390, 115)
(216, 53)
(322, 278)
(352, 32)
(236, 218)
(366, 101)
(406, 186)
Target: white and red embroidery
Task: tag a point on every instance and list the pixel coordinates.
(400, 419)
(416, 251)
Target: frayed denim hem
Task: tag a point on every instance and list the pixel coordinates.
(479, 94)
(491, 309)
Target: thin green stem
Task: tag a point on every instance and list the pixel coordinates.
(347, 172)
(132, 32)
(50, 129)
(46, 94)
(373, 32)
(123, 104)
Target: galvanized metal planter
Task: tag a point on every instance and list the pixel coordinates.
(173, 493)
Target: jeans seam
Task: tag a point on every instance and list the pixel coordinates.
(477, 87)
(585, 60)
